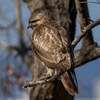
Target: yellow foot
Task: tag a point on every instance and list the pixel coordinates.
(48, 73)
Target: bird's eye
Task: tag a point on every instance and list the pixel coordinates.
(34, 21)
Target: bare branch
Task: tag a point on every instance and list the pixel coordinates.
(6, 45)
(82, 57)
(89, 2)
(48, 79)
(84, 31)
(18, 20)
(8, 26)
(18, 15)
(26, 33)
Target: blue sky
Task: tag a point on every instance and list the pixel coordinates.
(87, 74)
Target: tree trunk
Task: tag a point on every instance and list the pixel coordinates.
(83, 18)
(63, 12)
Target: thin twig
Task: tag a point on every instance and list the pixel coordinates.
(90, 20)
(43, 81)
(19, 20)
(26, 33)
(84, 31)
(6, 45)
(89, 2)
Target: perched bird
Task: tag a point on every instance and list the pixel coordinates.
(52, 46)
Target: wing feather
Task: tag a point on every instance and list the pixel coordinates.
(51, 46)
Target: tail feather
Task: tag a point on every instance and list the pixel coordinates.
(69, 82)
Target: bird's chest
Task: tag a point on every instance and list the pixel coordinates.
(45, 42)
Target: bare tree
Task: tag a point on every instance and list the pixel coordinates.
(63, 12)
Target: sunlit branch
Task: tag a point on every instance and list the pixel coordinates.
(84, 31)
(90, 54)
(47, 79)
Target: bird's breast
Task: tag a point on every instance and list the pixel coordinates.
(45, 42)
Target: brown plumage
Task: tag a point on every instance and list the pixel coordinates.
(52, 46)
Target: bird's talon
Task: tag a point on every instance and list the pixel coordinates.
(48, 73)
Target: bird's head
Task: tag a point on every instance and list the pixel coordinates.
(36, 19)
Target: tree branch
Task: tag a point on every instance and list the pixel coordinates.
(85, 31)
(47, 79)
(88, 55)
(6, 45)
(26, 33)
(89, 2)
(18, 21)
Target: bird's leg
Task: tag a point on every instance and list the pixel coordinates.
(48, 75)
(50, 71)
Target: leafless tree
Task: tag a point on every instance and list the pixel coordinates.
(63, 12)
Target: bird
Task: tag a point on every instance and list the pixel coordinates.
(52, 46)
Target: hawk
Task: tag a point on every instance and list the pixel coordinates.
(52, 46)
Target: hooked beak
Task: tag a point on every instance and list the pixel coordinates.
(29, 26)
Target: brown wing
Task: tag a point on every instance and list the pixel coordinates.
(51, 46)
